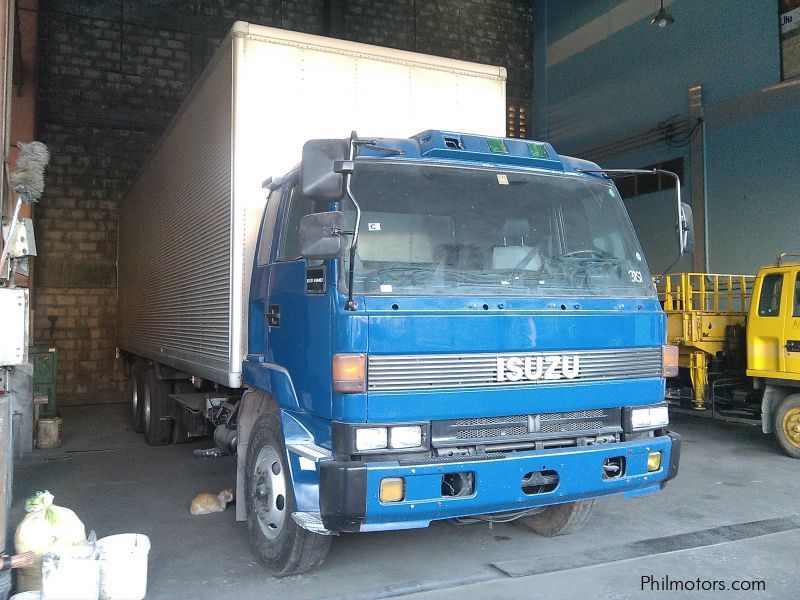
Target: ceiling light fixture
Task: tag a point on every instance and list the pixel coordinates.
(662, 18)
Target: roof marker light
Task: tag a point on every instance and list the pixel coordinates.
(497, 145)
(537, 150)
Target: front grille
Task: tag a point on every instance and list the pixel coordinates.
(472, 434)
(492, 420)
(445, 371)
(533, 427)
(581, 426)
(577, 414)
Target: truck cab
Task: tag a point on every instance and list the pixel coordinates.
(773, 349)
(447, 326)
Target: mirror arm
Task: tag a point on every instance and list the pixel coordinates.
(350, 304)
(679, 221)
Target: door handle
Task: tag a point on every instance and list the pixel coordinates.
(793, 345)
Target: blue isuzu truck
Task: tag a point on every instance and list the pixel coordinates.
(434, 327)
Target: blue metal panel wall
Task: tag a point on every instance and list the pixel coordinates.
(754, 198)
(640, 75)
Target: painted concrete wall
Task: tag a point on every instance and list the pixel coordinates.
(640, 75)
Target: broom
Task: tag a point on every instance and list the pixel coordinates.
(28, 182)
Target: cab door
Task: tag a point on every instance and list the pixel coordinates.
(766, 352)
(791, 328)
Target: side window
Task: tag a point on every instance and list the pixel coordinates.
(796, 311)
(299, 207)
(769, 304)
(268, 226)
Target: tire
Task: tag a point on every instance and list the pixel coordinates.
(561, 519)
(136, 411)
(280, 544)
(157, 430)
(787, 425)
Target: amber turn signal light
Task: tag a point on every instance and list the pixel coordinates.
(669, 361)
(349, 373)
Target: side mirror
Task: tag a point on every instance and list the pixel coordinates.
(320, 235)
(686, 228)
(318, 179)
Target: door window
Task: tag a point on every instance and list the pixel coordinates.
(796, 312)
(268, 226)
(769, 304)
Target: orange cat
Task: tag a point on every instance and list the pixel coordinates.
(204, 504)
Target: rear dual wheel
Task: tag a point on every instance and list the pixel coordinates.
(157, 419)
(136, 410)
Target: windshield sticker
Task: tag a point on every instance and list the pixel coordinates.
(638, 257)
(502, 179)
(374, 226)
(386, 288)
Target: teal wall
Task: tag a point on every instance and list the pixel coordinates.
(641, 75)
(754, 191)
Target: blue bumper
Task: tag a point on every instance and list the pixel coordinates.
(349, 491)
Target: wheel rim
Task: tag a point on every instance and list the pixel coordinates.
(146, 408)
(269, 492)
(135, 399)
(791, 426)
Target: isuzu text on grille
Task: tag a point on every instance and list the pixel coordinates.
(534, 368)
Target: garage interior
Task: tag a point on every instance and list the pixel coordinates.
(713, 96)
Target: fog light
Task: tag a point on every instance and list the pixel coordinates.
(653, 461)
(393, 489)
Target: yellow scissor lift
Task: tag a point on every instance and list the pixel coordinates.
(703, 311)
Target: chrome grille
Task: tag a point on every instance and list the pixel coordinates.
(442, 371)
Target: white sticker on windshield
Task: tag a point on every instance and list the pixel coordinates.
(386, 288)
(374, 226)
(502, 179)
(638, 257)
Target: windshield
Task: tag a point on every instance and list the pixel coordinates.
(444, 230)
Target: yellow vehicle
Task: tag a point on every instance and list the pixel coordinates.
(773, 349)
(707, 317)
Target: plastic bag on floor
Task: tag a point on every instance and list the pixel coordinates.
(45, 526)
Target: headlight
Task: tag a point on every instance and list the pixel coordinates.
(649, 418)
(405, 437)
(370, 438)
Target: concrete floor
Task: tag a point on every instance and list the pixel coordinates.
(730, 474)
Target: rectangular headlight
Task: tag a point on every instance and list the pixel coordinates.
(405, 437)
(370, 438)
(649, 418)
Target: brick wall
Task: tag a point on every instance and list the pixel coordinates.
(112, 74)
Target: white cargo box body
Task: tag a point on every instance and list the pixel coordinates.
(189, 224)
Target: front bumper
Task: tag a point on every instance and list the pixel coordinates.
(349, 491)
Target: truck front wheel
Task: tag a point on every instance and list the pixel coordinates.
(787, 425)
(155, 407)
(560, 519)
(282, 545)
